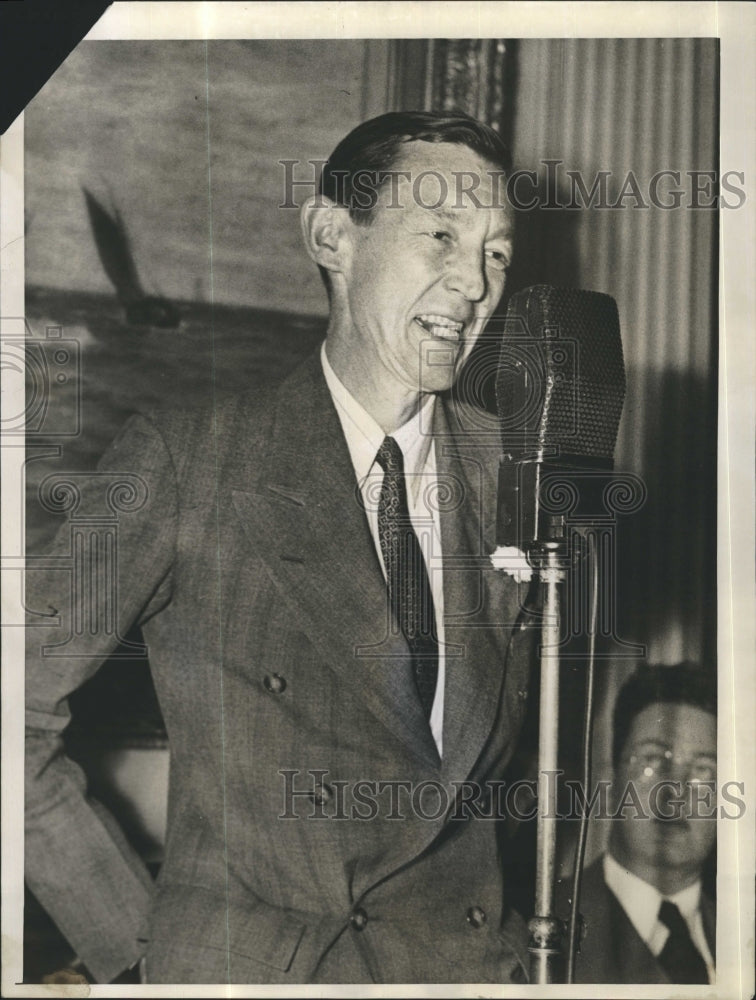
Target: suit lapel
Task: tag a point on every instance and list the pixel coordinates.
(709, 920)
(303, 514)
(634, 959)
(479, 602)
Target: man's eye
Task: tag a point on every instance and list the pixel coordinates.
(703, 770)
(439, 234)
(656, 761)
(498, 260)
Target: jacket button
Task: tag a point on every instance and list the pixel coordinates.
(359, 919)
(476, 916)
(274, 684)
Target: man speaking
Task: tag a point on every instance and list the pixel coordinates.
(335, 658)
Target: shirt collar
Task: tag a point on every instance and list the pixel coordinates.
(687, 899)
(364, 436)
(641, 900)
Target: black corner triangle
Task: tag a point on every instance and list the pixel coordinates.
(35, 38)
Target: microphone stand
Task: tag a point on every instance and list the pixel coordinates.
(548, 558)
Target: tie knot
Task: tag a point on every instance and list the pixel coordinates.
(390, 457)
(670, 916)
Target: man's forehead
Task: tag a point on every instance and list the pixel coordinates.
(684, 727)
(447, 181)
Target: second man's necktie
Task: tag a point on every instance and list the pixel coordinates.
(680, 958)
(406, 574)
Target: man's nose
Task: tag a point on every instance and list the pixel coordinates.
(466, 275)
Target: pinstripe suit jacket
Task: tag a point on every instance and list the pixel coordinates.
(248, 563)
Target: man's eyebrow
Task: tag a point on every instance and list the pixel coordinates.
(443, 213)
(446, 214)
(651, 741)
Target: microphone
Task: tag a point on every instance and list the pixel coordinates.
(560, 388)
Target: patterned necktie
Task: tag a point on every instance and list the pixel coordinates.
(406, 574)
(679, 957)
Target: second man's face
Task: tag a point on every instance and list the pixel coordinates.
(670, 762)
(424, 276)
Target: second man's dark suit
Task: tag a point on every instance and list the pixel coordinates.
(611, 950)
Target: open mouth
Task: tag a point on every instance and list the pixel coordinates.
(441, 327)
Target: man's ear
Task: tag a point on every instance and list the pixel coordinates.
(323, 229)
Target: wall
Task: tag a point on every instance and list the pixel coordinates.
(185, 138)
(642, 105)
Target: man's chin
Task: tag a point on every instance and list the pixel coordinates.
(672, 840)
(437, 382)
(439, 372)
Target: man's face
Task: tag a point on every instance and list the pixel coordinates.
(422, 278)
(670, 758)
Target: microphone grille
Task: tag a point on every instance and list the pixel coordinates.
(560, 383)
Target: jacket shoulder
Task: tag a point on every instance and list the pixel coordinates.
(197, 440)
(595, 954)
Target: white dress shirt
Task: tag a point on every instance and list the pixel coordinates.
(364, 437)
(641, 903)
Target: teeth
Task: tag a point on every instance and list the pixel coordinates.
(444, 332)
(441, 326)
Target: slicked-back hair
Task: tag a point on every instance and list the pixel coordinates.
(363, 160)
(684, 683)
